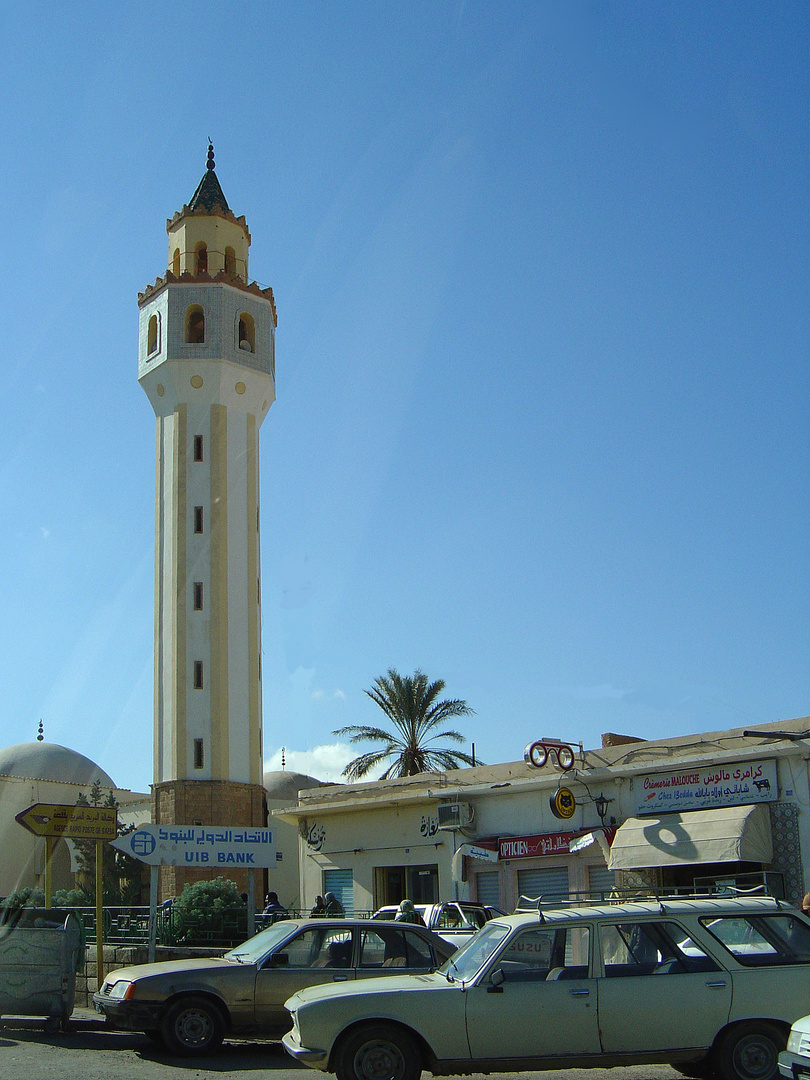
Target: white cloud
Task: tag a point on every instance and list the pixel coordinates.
(333, 695)
(323, 762)
(45, 532)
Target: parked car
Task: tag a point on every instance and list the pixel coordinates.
(706, 985)
(192, 1004)
(794, 1062)
(454, 920)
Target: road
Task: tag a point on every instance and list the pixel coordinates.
(88, 1052)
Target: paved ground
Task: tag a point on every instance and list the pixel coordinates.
(89, 1052)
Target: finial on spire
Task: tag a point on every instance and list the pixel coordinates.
(210, 163)
(41, 734)
(283, 757)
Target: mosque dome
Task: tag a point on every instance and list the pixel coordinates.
(49, 761)
(283, 786)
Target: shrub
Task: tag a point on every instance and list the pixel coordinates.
(204, 910)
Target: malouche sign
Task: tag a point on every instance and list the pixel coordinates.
(712, 785)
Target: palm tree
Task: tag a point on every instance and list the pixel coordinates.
(411, 704)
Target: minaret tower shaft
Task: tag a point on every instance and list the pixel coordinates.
(207, 364)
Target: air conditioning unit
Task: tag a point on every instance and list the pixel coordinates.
(455, 815)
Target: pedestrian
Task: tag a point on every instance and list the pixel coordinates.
(406, 912)
(334, 908)
(273, 908)
(320, 907)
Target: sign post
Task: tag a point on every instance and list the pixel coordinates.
(75, 822)
(208, 846)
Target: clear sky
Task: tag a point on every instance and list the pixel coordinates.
(542, 422)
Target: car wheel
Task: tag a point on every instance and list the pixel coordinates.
(379, 1052)
(751, 1052)
(193, 1025)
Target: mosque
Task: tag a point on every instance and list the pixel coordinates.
(206, 361)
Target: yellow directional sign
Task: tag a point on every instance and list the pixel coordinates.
(75, 822)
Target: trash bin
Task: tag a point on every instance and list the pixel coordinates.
(39, 954)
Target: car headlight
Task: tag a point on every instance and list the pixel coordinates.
(121, 989)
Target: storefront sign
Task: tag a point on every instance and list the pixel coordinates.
(532, 847)
(710, 785)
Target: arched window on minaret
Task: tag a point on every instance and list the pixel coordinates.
(230, 260)
(201, 258)
(195, 325)
(176, 262)
(152, 336)
(247, 332)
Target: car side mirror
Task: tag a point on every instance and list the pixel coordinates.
(280, 959)
(497, 978)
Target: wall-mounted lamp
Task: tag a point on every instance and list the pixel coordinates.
(601, 804)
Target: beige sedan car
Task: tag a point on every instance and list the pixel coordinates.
(710, 986)
(190, 1005)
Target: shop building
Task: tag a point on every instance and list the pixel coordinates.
(728, 807)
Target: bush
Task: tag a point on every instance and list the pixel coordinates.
(203, 910)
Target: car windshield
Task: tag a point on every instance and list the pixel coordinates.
(252, 950)
(471, 957)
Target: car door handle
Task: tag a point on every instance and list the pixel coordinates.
(579, 993)
(340, 978)
(717, 983)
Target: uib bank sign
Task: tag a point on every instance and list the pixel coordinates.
(200, 845)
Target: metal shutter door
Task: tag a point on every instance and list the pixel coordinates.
(341, 884)
(487, 888)
(551, 883)
(601, 880)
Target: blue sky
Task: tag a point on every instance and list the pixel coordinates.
(541, 429)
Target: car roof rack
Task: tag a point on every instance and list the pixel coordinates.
(531, 904)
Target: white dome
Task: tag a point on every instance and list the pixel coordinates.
(283, 786)
(49, 761)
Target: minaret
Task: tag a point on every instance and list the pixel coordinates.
(206, 360)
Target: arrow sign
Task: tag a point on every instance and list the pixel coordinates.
(209, 846)
(74, 822)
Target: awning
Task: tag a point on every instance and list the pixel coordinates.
(724, 834)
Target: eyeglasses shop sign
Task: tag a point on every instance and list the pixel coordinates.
(711, 785)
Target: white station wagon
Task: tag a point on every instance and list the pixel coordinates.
(708, 986)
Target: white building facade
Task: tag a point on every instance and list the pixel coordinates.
(737, 814)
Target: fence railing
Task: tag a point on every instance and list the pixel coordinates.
(130, 926)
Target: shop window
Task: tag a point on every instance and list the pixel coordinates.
(152, 335)
(247, 332)
(195, 325)
(201, 258)
(199, 757)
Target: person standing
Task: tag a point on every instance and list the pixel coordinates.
(319, 909)
(274, 908)
(334, 908)
(406, 912)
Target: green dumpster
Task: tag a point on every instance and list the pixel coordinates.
(39, 954)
